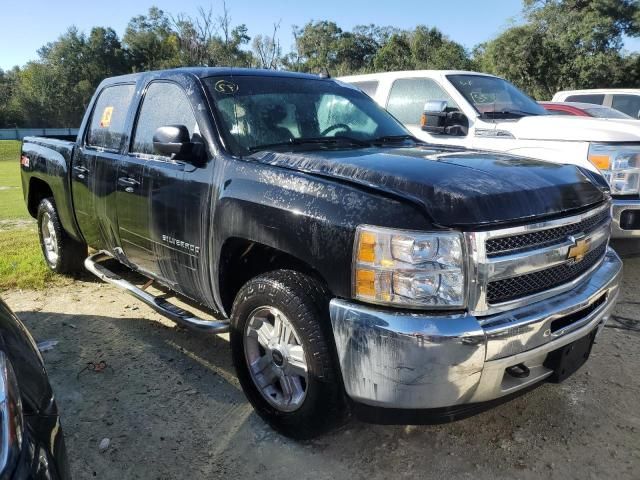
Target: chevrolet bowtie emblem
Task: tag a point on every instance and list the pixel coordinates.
(579, 249)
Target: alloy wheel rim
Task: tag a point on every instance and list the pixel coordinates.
(275, 358)
(49, 238)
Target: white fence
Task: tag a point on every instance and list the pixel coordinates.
(20, 133)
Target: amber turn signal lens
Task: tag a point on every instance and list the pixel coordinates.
(367, 247)
(423, 120)
(365, 283)
(602, 162)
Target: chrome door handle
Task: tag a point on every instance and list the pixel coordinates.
(80, 171)
(128, 182)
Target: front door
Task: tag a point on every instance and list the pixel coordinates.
(159, 203)
(95, 162)
(406, 102)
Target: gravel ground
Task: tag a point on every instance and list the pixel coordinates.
(171, 408)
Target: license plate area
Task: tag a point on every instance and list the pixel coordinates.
(568, 359)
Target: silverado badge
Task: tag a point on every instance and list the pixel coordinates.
(579, 249)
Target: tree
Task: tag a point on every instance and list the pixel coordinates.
(395, 54)
(267, 50)
(356, 49)
(9, 116)
(565, 44)
(316, 45)
(55, 90)
(421, 48)
(151, 42)
(431, 49)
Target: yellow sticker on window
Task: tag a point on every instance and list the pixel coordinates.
(105, 120)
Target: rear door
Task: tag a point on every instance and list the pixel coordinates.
(158, 204)
(95, 161)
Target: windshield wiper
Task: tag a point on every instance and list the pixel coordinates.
(338, 139)
(386, 139)
(512, 113)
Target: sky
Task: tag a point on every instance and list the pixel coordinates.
(28, 24)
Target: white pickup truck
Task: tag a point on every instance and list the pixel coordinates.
(485, 112)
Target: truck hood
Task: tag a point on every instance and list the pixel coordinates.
(567, 128)
(455, 187)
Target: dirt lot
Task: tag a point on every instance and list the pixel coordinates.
(171, 407)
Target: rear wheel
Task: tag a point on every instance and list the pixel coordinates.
(283, 353)
(62, 253)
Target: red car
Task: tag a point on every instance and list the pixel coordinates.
(583, 110)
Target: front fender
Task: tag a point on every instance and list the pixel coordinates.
(308, 217)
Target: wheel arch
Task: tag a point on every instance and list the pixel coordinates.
(242, 259)
(38, 191)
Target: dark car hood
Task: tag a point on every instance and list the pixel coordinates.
(456, 188)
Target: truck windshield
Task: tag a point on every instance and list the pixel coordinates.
(494, 97)
(261, 112)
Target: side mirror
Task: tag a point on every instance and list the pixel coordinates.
(434, 116)
(435, 119)
(172, 140)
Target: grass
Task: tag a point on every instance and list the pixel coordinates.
(21, 261)
(11, 202)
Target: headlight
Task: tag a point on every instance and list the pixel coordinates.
(11, 427)
(619, 164)
(408, 268)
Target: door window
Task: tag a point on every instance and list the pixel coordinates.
(164, 104)
(586, 98)
(629, 104)
(408, 96)
(106, 127)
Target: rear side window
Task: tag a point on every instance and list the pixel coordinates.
(408, 96)
(163, 104)
(106, 128)
(629, 104)
(369, 87)
(586, 98)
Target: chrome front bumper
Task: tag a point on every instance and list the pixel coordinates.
(406, 360)
(618, 207)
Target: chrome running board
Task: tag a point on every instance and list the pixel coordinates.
(159, 304)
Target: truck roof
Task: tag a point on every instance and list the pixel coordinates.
(601, 90)
(409, 74)
(203, 72)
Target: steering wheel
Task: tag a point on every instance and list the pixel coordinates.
(344, 126)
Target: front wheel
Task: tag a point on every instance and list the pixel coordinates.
(62, 253)
(283, 353)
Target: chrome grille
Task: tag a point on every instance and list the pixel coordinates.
(530, 284)
(516, 266)
(543, 238)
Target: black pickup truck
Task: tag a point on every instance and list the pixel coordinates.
(356, 268)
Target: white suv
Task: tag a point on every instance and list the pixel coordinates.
(480, 111)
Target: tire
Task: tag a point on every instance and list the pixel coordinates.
(302, 302)
(62, 253)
